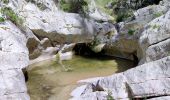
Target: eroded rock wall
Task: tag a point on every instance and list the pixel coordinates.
(13, 58)
(150, 78)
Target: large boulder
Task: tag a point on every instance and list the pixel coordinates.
(154, 40)
(58, 26)
(13, 58)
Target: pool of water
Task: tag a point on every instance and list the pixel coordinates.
(48, 81)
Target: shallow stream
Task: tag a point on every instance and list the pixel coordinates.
(48, 81)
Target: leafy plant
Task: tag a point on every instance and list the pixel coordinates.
(109, 96)
(101, 4)
(2, 19)
(5, 1)
(123, 16)
(32, 1)
(158, 14)
(11, 15)
(41, 6)
(73, 6)
(156, 26)
(131, 32)
(95, 42)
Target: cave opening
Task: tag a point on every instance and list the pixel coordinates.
(84, 50)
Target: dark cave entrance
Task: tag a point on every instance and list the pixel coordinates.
(84, 50)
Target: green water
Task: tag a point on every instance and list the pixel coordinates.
(48, 81)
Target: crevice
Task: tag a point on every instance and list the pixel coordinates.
(149, 97)
(159, 42)
(129, 90)
(97, 87)
(1, 44)
(84, 50)
(25, 72)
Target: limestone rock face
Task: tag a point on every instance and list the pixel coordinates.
(13, 58)
(58, 26)
(155, 37)
(151, 77)
(48, 21)
(147, 14)
(149, 26)
(96, 14)
(147, 34)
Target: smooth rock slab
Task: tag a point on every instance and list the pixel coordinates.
(10, 60)
(158, 51)
(13, 57)
(15, 96)
(150, 71)
(11, 82)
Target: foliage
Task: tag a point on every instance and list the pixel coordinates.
(11, 15)
(109, 96)
(32, 1)
(156, 26)
(73, 6)
(41, 6)
(65, 6)
(158, 14)
(101, 4)
(2, 19)
(95, 42)
(5, 1)
(122, 16)
(131, 31)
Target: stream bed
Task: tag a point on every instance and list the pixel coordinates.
(48, 81)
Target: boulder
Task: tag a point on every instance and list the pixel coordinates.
(154, 39)
(13, 58)
(95, 13)
(46, 43)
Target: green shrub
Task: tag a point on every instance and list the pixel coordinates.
(2, 19)
(131, 32)
(109, 96)
(32, 1)
(73, 6)
(95, 42)
(122, 16)
(66, 7)
(156, 26)
(11, 15)
(158, 14)
(41, 6)
(5, 1)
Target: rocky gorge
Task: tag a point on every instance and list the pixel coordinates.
(138, 30)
